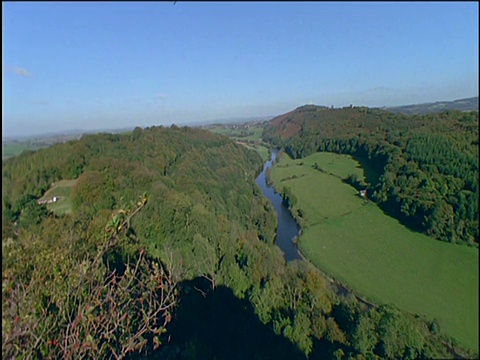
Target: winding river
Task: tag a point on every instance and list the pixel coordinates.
(287, 226)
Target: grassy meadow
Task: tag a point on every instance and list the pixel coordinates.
(355, 242)
(63, 190)
(14, 147)
(241, 132)
(262, 150)
(10, 149)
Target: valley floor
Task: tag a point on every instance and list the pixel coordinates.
(352, 240)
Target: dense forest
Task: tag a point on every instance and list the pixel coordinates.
(421, 169)
(169, 232)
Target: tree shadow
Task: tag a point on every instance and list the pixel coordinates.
(218, 325)
(390, 209)
(371, 173)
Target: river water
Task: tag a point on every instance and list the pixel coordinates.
(287, 226)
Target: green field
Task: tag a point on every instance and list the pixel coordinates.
(248, 135)
(14, 147)
(262, 150)
(10, 149)
(354, 241)
(63, 190)
(240, 132)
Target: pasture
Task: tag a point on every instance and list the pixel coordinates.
(243, 132)
(355, 242)
(14, 148)
(260, 149)
(248, 135)
(63, 190)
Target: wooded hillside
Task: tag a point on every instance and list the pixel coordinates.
(423, 170)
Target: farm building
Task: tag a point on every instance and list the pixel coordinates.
(363, 193)
(47, 201)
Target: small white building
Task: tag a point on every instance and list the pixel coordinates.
(48, 201)
(363, 193)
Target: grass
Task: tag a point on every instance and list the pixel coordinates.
(262, 150)
(16, 148)
(248, 135)
(63, 190)
(255, 132)
(373, 254)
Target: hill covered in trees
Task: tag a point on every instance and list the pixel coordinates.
(423, 170)
(468, 104)
(168, 229)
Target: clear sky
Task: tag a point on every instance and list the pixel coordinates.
(94, 65)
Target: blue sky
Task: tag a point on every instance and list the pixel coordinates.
(94, 65)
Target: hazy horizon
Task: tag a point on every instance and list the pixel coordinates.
(180, 123)
(115, 65)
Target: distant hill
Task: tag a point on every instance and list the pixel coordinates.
(15, 145)
(72, 133)
(469, 104)
(233, 120)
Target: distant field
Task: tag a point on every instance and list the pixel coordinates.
(63, 190)
(241, 132)
(10, 149)
(249, 135)
(262, 150)
(14, 147)
(372, 253)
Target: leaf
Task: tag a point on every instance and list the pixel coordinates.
(156, 342)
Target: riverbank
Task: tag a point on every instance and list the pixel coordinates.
(376, 256)
(289, 230)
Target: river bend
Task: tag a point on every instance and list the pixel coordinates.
(287, 226)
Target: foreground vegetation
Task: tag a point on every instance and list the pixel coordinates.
(164, 213)
(354, 241)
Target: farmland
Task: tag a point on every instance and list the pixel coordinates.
(242, 132)
(354, 241)
(247, 134)
(14, 147)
